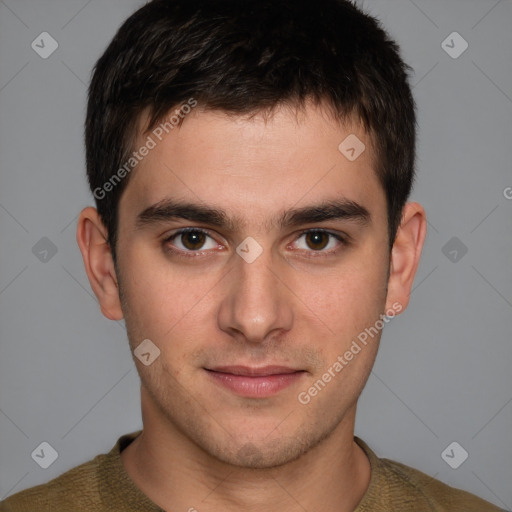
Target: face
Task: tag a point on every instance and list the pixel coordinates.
(253, 253)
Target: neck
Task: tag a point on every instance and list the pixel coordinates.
(176, 474)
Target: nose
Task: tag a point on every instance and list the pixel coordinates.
(256, 305)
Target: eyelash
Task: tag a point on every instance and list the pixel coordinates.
(343, 242)
(313, 254)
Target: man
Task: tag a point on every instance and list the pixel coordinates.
(251, 163)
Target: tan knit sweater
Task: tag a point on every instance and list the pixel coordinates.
(102, 485)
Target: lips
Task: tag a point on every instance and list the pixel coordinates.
(254, 371)
(255, 382)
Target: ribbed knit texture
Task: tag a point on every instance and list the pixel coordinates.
(103, 485)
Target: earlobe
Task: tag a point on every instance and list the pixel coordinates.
(405, 254)
(91, 236)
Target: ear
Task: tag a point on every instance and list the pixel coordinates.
(91, 236)
(405, 255)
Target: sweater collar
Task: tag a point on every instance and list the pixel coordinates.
(117, 488)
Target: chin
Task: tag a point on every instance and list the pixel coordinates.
(252, 456)
(265, 453)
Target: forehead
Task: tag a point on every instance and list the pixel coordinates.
(255, 166)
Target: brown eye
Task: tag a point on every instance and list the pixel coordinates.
(320, 241)
(193, 240)
(190, 242)
(317, 240)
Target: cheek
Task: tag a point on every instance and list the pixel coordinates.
(348, 308)
(347, 298)
(160, 300)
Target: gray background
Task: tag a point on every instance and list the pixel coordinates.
(443, 370)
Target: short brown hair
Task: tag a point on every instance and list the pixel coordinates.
(245, 56)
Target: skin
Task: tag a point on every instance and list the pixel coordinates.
(300, 304)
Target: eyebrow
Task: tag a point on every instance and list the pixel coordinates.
(168, 209)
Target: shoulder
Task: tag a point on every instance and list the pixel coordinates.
(78, 488)
(395, 486)
(440, 496)
(97, 485)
